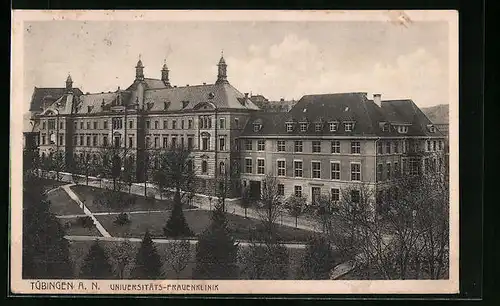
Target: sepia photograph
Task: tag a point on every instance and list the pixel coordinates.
(217, 152)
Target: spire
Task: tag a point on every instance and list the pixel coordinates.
(222, 71)
(69, 83)
(164, 74)
(139, 70)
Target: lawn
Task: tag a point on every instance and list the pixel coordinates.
(79, 250)
(73, 228)
(62, 204)
(198, 221)
(89, 194)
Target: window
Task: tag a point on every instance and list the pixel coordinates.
(165, 124)
(281, 145)
(204, 167)
(335, 170)
(414, 167)
(355, 147)
(388, 147)
(174, 141)
(289, 127)
(156, 124)
(148, 124)
(316, 169)
(94, 140)
(182, 142)
(75, 125)
(75, 140)
(335, 147)
(222, 168)
(81, 125)
(260, 166)
(165, 142)
(248, 144)
(297, 166)
(105, 124)
(256, 127)
(318, 127)
(95, 125)
(222, 144)
(190, 123)
(148, 142)
(303, 127)
(88, 125)
(335, 194)
(174, 124)
(43, 139)
(205, 143)
(396, 147)
(281, 189)
(52, 124)
(61, 125)
(261, 145)
(405, 146)
(428, 145)
(117, 141)
(190, 143)
(222, 123)
(402, 129)
(379, 148)
(61, 139)
(157, 142)
(248, 165)
(440, 145)
(130, 142)
(333, 126)
(297, 191)
(355, 172)
(355, 196)
(105, 140)
(44, 126)
(297, 146)
(433, 145)
(236, 122)
(182, 124)
(281, 167)
(348, 126)
(379, 172)
(316, 146)
(389, 171)
(396, 169)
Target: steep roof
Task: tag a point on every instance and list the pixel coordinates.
(95, 101)
(52, 93)
(154, 83)
(342, 107)
(221, 95)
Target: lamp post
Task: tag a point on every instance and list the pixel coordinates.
(58, 162)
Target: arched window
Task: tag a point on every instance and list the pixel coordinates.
(222, 168)
(204, 167)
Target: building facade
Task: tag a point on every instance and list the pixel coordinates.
(322, 144)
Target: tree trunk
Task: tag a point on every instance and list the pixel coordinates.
(246, 213)
(296, 221)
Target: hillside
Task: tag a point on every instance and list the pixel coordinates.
(437, 114)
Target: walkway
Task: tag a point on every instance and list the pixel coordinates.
(162, 241)
(117, 213)
(87, 212)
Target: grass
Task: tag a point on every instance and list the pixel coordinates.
(88, 195)
(198, 221)
(76, 229)
(79, 250)
(62, 204)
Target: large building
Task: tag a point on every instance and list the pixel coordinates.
(323, 143)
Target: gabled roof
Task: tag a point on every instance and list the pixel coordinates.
(221, 95)
(343, 107)
(52, 93)
(95, 101)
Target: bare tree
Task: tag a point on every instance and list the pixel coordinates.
(178, 256)
(270, 205)
(246, 200)
(111, 162)
(122, 255)
(295, 206)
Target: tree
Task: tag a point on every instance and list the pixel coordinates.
(178, 255)
(323, 209)
(122, 255)
(75, 169)
(246, 200)
(269, 260)
(270, 206)
(147, 261)
(216, 251)
(56, 162)
(31, 160)
(111, 163)
(96, 264)
(318, 259)
(127, 175)
(177, 166)
(45, 250)
(295, 206)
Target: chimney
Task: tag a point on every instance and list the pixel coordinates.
(377, 98)
(282, 99)
(246, 95)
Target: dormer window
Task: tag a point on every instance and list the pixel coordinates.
(289, 127)
(166, 105)
(348, 126)
(303, 127)
(334, 126)
(402, 129)
(89, 109)
(185, 104)
(257, 127)
(431, 128)
(318, 127)
(384, 127)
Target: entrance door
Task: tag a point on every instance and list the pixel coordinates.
(315, 193)
(255, 190)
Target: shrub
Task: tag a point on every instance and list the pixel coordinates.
(85, 222)
(122, 219)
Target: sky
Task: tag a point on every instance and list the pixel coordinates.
(276, 59)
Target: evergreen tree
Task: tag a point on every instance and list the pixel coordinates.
(216, 251)
(177, 225)
(318, 260)
(45, 250)
(148, 263)
(96, 265)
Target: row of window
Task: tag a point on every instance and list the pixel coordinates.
(318, 126)
(173, 124)
(52, 124)
(335, 169)
(316, 192)
(52, 139)
(299, 146)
